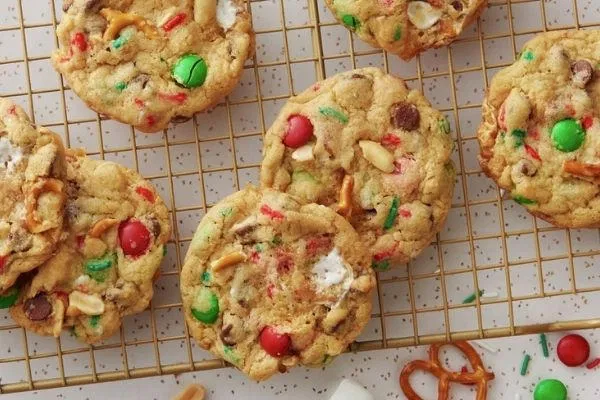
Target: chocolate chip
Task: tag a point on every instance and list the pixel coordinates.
(357, 76)
(92, 5)
(225, 338)
(405, 116)
(155, 226)
(38, 308)
(457, 5)
(583, 72)
(179, 119)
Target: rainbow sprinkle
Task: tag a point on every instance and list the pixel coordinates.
(471, 298)
(544, 344)
(525, 364)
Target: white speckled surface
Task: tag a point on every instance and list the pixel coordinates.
(195, 164)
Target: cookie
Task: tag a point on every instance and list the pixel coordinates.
(269, 283)
(32, 195)
(406, 27)
(373, 150)
(540, 135)
(148, 62)
(118, 229)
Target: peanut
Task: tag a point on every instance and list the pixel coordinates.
(228, 260)
(377, 155)
(88, 304)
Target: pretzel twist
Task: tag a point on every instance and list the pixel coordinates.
(102, 226)
(479, 377)
(118, 20)
(345, 204)
(31, 202)
(586, 171)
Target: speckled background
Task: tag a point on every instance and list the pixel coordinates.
(538, 273)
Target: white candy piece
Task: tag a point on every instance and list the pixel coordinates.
(423, 15)
(226, 13)
(304, 153)
(351, 390)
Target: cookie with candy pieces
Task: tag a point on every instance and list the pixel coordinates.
(406, 27)
(364, 144)
(540, 135)
(149, 62)
(32, 196)
(117, 232)
(270, 282)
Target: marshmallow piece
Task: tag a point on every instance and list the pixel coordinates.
(422, 14)
(349, 389)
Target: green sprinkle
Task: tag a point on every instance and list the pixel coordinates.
(383, 265)
(165, 250)
(98, 268)
(119, 42)
(544, 344)
(444, 126)
(525, 364)
(519, 135)
(351, 21)
(206, 277)
(276, 241)
(398, 33)
(230, 354)
(226, 212)
(471, 298)
(333, 113)
(120, 86)
(94, 320)
(259, 247)
(300, 175)
(392, 214)
(73, 332)
(327, 359)
(523, 200)
(527, 55)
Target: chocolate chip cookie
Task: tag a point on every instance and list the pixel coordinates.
(406, 27)
(540, 136)
(375, 151)
(118, 228)
(32, 194)
(269, 283)
(148, 62)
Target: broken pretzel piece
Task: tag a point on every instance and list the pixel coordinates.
(102, 226)
(583, 170)
(229, 260)
(118, 20)
(31, 203)
(192, 392)
(345, 202)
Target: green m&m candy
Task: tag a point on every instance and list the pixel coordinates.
(10, 298)
(206, 306)
(568, 135)
(190, 71)
(550, 389)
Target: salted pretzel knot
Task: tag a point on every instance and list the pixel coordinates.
(118, 20)
(31, 202)
(478, 377)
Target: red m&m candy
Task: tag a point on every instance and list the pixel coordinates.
(299, 131)
(573, 350)
(274, 343)
(134, 238)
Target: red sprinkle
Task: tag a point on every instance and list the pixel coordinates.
(174, 22)
(531, 151)
(12, 110)
(145, 193)
(269, 212)
(587, 122)
(284, 263)
(177, 98)
(270, 290)
(139, 103)
(384, 254)
(3, 263)
(570, 109)
(391, 140)
(502, 117)
(397, 168)
(80, 241)
(317, 243)
(316, 87)
(79, 41)
(593, 364)
(150, 120)
(254, 256)
(405, 213)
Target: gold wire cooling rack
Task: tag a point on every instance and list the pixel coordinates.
(544, 278)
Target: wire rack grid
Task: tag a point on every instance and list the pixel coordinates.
(537, 278)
